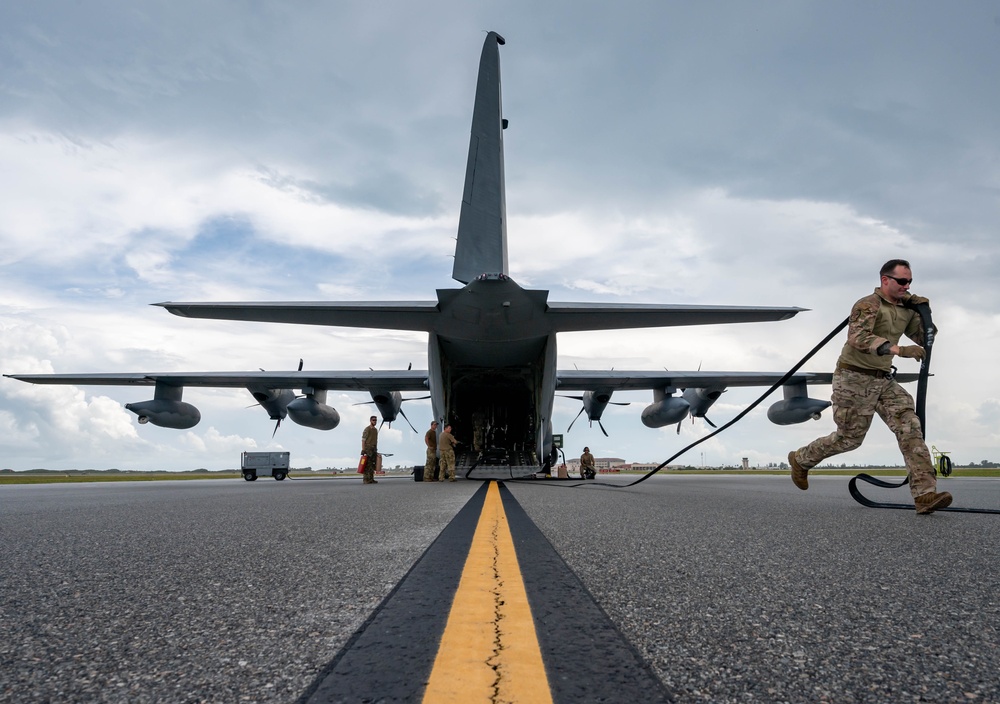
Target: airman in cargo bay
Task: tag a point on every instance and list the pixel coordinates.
(446, 446)
(431, 441)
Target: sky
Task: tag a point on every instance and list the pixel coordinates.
(727, 153)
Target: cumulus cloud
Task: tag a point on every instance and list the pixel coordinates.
(211, 442)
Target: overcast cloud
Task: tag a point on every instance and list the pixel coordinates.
(717, 153)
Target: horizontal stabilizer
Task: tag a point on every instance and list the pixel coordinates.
(403, 315)
(576, 317)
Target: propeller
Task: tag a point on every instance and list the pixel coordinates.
(399, 409)
(406, 419)
(278, 424)
(583, 407)
(372, 403)
(705, 417)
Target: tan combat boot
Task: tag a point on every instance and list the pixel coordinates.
(932, 501)
(800, 477)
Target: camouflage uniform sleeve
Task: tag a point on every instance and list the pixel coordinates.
(915, 328)
(860, 330)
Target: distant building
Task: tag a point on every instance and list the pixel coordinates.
(616, 464)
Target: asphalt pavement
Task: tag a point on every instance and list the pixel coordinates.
(748, 590)
(731, 589)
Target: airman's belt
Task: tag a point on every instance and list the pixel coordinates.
(877, 373)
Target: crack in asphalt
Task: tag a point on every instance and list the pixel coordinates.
(494, 660)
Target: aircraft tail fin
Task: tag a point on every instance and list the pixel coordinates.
(482, 224)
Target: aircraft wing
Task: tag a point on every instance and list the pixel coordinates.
(414, 380)
(624, 380)
(402, 315)
(576, 317)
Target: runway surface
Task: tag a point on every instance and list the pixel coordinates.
(714, 588)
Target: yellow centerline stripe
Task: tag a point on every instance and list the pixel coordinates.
(489, 651)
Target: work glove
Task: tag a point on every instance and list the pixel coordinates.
(912, 351)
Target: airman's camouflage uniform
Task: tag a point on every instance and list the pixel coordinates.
(430, 462)
(862, 387)
(446, 445)
(478, 431)
(369, 448)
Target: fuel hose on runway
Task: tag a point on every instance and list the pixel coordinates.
(924, 311)
(778, 384)
(852, 487)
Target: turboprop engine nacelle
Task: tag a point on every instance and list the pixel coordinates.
(166, 414)
(702, 399)
(166, 409)
(274, 401)
(797, 407)
(594, 402)
(312, 411)
(387, 403)
(665, 410)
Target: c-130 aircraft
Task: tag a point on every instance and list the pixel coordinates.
(491, 352)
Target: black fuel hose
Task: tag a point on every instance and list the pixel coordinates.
(924, 311)
(780, 382)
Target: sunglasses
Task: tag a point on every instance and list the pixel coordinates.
(901, 282)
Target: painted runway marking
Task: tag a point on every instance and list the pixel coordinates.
(489, 651)
(470, 575)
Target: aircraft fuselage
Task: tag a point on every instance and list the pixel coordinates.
(492, 366)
